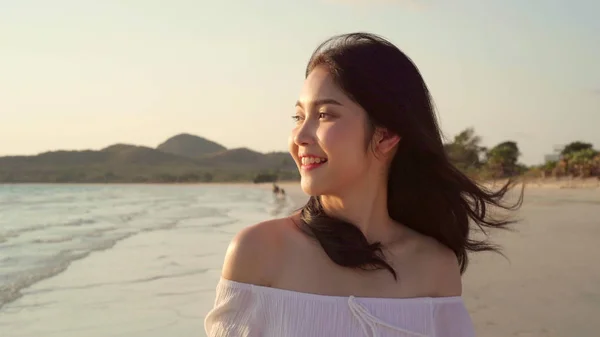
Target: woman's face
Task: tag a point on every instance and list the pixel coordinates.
(328, 140)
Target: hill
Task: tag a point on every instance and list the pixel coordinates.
(190, 146)
(237, 157)
(244, 158)
(141, 155)
(202, 161)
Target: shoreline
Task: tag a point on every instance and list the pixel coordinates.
(162, 282)
(559, 182)
(154, 282)
(292, 202)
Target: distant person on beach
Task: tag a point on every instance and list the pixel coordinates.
(278, 191)
(381, 244)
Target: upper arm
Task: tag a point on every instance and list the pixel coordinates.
(447, 275)
(442, 271)
(252, 256)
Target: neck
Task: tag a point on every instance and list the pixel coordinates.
(364, 204)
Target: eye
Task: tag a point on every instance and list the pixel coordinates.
(297, 118)
(324, 115)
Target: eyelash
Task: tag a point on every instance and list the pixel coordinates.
(297, 118)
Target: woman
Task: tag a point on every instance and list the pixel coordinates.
(380, 246)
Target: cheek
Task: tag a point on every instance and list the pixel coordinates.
(343, 143)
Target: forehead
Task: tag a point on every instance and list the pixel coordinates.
(319, 85)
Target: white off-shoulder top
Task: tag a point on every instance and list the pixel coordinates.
(247, 310)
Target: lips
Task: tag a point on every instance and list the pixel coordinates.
(310, 162)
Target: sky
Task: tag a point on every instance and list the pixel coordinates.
(82, 74)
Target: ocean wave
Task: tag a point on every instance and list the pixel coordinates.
(49, 267)
(42, 238)
(14, 233)
(53, 240)
(140, 280)
(11, 290)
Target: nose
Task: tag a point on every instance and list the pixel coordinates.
(304, 134)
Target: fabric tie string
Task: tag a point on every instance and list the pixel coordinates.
(370, 322)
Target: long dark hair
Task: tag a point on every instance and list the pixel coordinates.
(426, 192)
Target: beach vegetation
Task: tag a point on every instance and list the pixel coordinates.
(187, 158)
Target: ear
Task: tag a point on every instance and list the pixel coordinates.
(386, 140)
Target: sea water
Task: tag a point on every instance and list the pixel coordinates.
(65, 249)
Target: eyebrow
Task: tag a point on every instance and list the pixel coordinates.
(320, 102)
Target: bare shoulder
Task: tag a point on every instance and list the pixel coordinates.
(439, 268)
(254, 254)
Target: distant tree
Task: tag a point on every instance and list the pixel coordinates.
(165, 178)
(549, 168)
(576, 147)
(139, 179)
(285, 162)
(582, 162)
(465, 150)
(596, 166)
(288, 175)
(265, 178)
(109, 176)
(189, 177)
(502, 159)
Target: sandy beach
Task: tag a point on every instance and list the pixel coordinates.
(162, 282)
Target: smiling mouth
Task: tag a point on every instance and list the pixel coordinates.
(311, 163)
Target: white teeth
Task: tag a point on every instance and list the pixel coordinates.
(312, 160)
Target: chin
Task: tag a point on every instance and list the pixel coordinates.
(312, 187)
